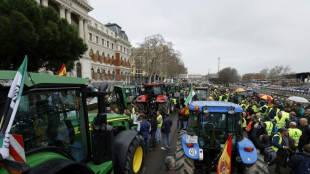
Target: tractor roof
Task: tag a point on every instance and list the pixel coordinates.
(154, 84)
(215, 106)
(125, 86)
(43, 79)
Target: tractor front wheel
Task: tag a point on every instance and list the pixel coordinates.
(184, 164)
(135, 156)
(260, 167)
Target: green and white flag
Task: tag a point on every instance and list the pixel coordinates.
(190, 97)
(10, 108)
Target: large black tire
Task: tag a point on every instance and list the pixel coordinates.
(137, 142)
(141, 106)
(260, 167)
(164, 107)
(184, 164)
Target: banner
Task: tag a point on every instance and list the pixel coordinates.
(224, 164)
(62, 71)
(10, 108)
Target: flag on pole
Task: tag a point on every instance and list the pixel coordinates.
(62, 71)
(224, 164)
(10, 108)
(190, 97)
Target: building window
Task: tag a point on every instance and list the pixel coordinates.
(112, 45)
(96, 39)
(108, 44)
(103, 42)
(90, 36)
(96, 25)
(92, 73)
(91, 53)
(121, 48)
(97, 56)
(78, 70)
(98, 74)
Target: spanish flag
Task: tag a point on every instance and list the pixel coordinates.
(224, 164)
(62, 71)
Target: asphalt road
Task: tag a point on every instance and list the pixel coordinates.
(154, 161)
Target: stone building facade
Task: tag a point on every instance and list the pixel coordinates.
(109, 50)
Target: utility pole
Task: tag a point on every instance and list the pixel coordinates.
(218, 68)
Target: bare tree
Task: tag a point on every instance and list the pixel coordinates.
(277, 72)
(159, 58)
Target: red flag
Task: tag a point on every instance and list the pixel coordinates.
(224, 164)
(62, 71)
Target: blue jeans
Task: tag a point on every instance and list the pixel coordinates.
(158, 134)
(146, 144)
(180, 124)
(166, 136)
(153, 138)
(185, 124)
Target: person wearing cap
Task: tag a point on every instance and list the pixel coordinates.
(273, 112)
(292, 118)
(170, 165)
(280, 145)
(263, 109)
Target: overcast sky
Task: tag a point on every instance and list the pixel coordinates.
(248, 35)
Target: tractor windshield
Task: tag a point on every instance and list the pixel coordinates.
(202, 94)
(213, 128)
(153, 90)
(130, 92)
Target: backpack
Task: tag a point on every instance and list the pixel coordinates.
(304, 166)
(269, 154)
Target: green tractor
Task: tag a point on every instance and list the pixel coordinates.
(61, 136)
(210, 124)
(174, 90)
(123, 97)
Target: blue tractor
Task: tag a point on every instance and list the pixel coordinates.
(209, 125)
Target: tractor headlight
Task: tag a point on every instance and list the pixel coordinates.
(206, 111)
(231, 111)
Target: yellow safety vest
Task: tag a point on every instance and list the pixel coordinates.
(158, 118)
(243, 105)
(295, 134)
(286, 115)
(220, 98)
(226, 99)
(255, 109)
(280, 141)
(280, 122)
(278, 110)
(210, 97)
(132, 112)
(174, 101)
(269, 127)
(244, 122)
(263, 113)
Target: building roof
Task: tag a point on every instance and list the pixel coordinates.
(118, 30)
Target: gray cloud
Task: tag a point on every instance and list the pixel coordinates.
(247, 35)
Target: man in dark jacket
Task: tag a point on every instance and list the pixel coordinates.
(153, 131)
(305, 129)
(296, 159)
(144, 128)
(166, 127)
(293, 118)
(260, 143)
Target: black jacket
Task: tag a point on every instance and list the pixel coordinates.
(295, 160)
(305, 138)
(256, 142)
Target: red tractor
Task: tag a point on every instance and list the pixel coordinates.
(154, 98)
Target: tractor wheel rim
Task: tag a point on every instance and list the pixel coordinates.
(137, 159)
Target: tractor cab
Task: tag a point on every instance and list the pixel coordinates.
(209, 126)
(122, 97)
(202, 93)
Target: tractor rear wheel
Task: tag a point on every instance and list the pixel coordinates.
(164, 107)
(172, 107)
(260, 167)
(184, 164)
(135, 156)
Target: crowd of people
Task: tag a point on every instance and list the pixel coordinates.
(278, 129)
